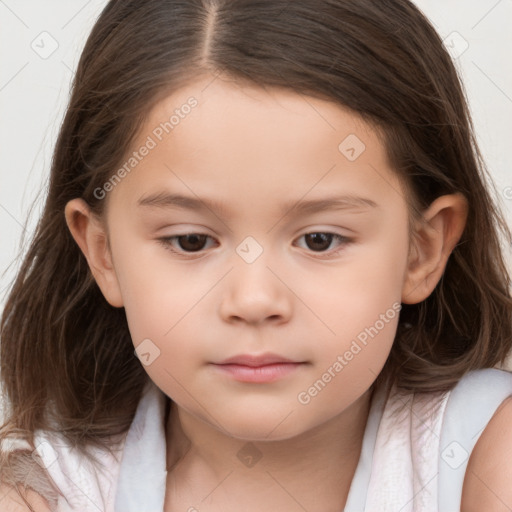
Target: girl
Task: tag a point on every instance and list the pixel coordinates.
(267, 276)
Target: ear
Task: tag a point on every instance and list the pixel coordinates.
(435, 237)
(91, 236)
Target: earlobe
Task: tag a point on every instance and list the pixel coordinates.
(435, 237)
(91, 236)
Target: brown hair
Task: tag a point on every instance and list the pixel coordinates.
(66, 354)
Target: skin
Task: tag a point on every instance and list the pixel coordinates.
(256, 150)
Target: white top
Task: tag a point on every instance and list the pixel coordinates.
(414, 454)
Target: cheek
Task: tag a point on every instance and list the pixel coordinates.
(363, 285)
(360, 303)
(167, 311)
(159, 298)
(163, 319)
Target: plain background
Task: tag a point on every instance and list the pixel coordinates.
(40, 43)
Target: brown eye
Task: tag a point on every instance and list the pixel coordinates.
(318, 241)
(185, 244)
(192, 243)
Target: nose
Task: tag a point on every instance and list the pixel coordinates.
(255, 294)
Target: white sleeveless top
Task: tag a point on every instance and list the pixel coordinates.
(413, 459)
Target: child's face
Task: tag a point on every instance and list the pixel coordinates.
(257, 284)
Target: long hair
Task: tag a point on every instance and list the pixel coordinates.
(67, 361)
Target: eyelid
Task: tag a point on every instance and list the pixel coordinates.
(332, 253)
(167, 244)
(344, 240)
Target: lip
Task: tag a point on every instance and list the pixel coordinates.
(256, 359)
(261, 368)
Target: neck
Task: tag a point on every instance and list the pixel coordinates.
(314, 467)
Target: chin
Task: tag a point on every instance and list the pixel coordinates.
(262, 429)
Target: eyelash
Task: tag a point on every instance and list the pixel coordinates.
(166, 242)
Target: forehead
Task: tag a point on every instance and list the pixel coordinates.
(249, 144)
(267, 120)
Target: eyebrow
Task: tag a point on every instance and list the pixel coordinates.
(165, 200)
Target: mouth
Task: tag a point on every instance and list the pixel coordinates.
(257, 368)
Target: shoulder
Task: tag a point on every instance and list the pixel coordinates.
(487, 483)
(11, 501)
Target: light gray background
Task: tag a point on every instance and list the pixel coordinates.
(34, 88)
